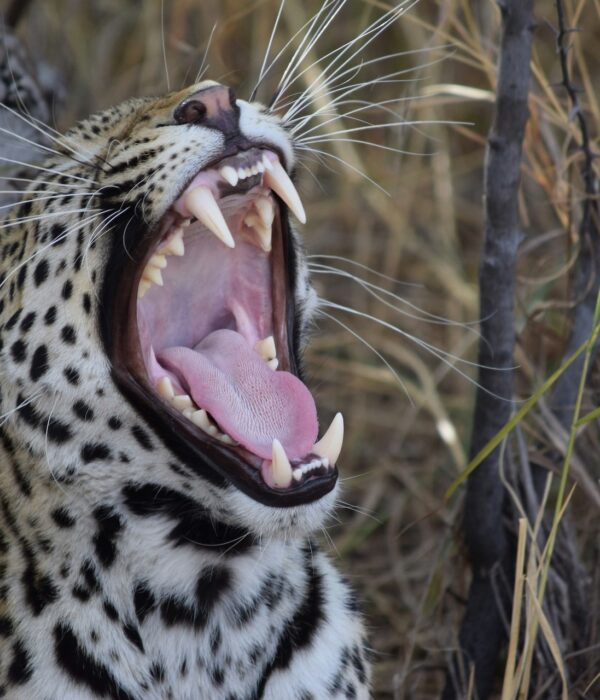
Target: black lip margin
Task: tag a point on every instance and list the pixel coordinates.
(171, 429)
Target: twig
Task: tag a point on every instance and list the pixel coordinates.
(482, 632)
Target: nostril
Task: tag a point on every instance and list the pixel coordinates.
(190, 112)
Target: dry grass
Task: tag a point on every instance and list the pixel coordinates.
(408, 430)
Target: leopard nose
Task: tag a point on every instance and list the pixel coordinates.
(215, 107)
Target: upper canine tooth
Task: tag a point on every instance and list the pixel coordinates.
(330, 445)
(203, 205)
(165, 388)
(278, 180)
(152, 274)
(266, 348)
(282, 469)
(267, 162)
(230, 174)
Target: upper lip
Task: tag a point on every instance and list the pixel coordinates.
(128, 362)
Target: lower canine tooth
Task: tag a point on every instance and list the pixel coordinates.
(266, 348)
(330, 445)
(265, 209)
(203, 205)
(165, 388)
(282, 469)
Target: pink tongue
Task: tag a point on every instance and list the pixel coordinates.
(250, 402)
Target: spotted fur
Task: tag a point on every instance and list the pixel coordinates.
(124, 573)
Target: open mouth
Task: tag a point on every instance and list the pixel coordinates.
(202, 329)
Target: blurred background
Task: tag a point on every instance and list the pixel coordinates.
(394, 233)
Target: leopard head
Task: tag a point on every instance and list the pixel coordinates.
(156, 301)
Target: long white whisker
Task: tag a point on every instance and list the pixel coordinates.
(164, 47)
(58, 195)
(201, 70)
(368, 345)
(48, 170)
(261, 73)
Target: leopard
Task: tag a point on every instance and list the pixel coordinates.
(162, 480)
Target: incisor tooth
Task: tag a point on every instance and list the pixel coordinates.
(182, 402)
(230, 174)
(282, 469)
(278, 180)
(273, 364)
(203, 205)
(158, 261)
(152, 274)
(330, 445)
(165, 388)
(175, 246)
(266, 348)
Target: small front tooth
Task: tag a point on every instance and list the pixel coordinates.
(265, 209)
(260, 167)
(330, 445)
(143, 287)
(273, 364)
(241, 173)
(186, 222)
(223, 437)
(279, 181)
(158, 261)
(282, 469)
(266, 348)
(203, 205)
(230, 174)
(165, 388)
(188, 413)
(200, 418)
(182, 402)
(152, 274)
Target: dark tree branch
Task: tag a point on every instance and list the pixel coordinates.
(483, 628)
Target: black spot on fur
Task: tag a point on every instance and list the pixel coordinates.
(109, 527)
(71, 375)
(28, 322)
(18, 350)
(88, 572)
(114, 423)
(93, 451)
(6, 626)
(144, 602)
(132, 634)
(40, 590)
(74, 659)
(40, 274)
(67, 290)
(62, 517)
(39, 363)
(50, 316)
(110, 610)
(194, 527)
(19, 671)
(142, 437)
(68, 334)
(13, 320)
(299, 632)
(83, 411)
